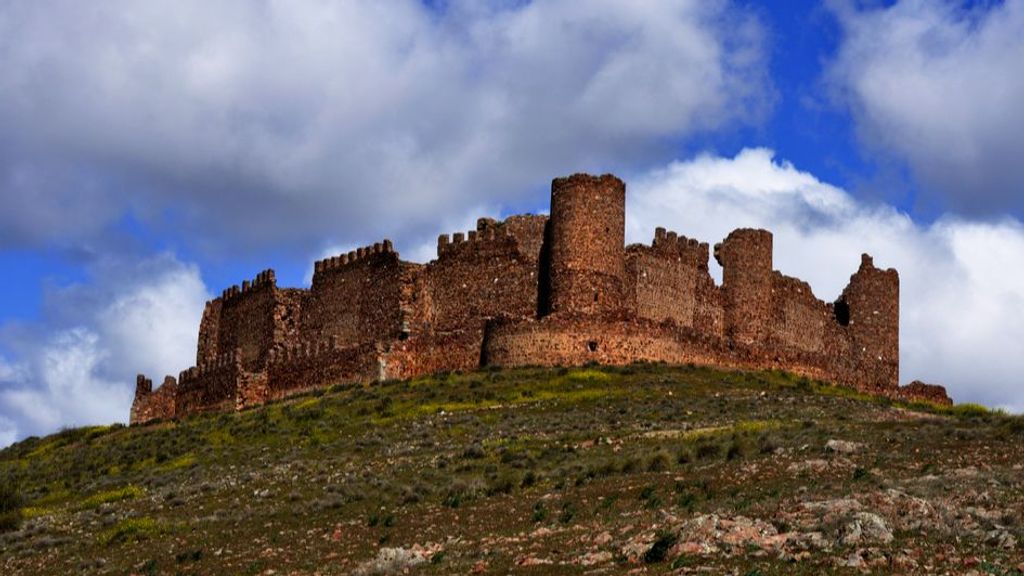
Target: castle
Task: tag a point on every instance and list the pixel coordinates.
(537, 291)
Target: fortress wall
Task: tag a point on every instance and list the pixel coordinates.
(799, 320)
(527, 229)
(665, 281)
(554, 341)
(577, 341)
(209, 332)
(251, 318)
(357, 297)
(586, 241)
(297, 369)
(433, 354)
(872, 302)
(149, 405)
(483, 274)
(210, 386)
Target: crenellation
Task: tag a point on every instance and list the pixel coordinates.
(537, 290)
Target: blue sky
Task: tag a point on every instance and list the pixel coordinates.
(155, 153)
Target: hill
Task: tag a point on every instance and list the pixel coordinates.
(646, 468)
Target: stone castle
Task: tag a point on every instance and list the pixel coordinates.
(554, 290)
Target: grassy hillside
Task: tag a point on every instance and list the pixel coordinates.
(647, 468)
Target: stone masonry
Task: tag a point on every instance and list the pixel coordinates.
(537, 291)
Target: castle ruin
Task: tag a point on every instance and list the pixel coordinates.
(535, 290)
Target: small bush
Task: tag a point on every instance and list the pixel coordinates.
(658, 551)
(660, 461)
(11, 503)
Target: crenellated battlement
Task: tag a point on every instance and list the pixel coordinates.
(352, 257)
(459, 242)
(670, 244)
(231, 360)
(537, 290)
(265, 279)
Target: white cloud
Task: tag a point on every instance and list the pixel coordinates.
(78, 366)
(288, 123)
(940, 86)
(961, 299)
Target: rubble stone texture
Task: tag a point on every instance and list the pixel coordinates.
(533, 290)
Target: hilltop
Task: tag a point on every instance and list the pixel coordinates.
(594, 470)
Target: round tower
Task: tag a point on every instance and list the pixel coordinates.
(746, 259)
(587, 240)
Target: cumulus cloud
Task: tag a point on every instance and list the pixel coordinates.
(77, 366)
(939, 85)
(245, 125)
(961, 298)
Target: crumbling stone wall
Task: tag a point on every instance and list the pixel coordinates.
(872, 304)
(149, 405)
(534, 290)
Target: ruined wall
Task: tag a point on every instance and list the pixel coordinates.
(357, 297)
(149, 405)
(488, 272)
(746, 259)
(669, 280)
(799, 320)
(918, 391)
(871, 304)
(587, 237)
(209, 331)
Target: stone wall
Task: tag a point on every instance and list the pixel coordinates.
(210, 386)
(357, 297)
(482, 274)
(669, 280)
(306, 367)
(251, 318)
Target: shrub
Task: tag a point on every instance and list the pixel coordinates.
(11, 503)
(659, 462)
(658, 551)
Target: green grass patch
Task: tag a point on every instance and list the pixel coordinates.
(180, 463)
(110, 496)
(130, 530)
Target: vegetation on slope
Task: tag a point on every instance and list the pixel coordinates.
(593, 470)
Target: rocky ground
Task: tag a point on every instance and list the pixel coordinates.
(644, 469)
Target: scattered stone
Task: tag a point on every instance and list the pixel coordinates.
(843, 447)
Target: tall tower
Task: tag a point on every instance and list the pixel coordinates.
(587, 240)
(746, 259)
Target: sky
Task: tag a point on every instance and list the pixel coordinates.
(153, 153)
